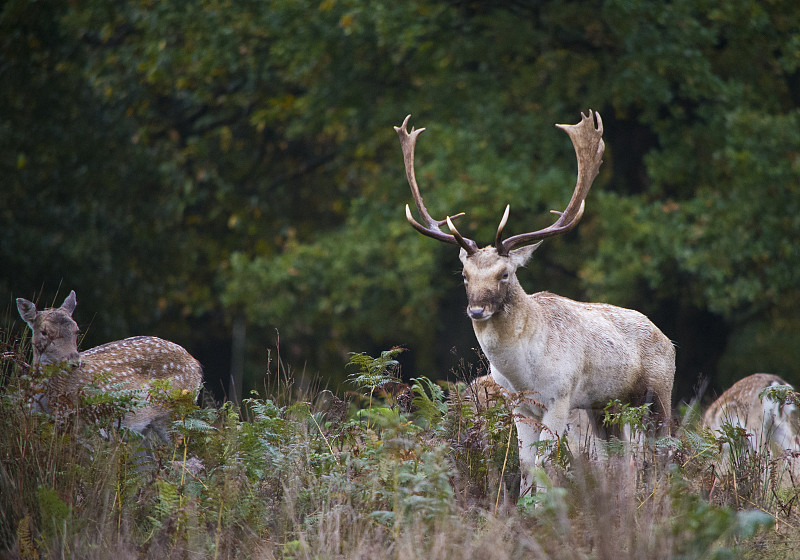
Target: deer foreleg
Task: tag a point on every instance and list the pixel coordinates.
(528, 432)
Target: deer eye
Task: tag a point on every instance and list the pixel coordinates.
(504, 277)
(464, 277)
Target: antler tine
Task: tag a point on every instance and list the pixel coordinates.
(498, 239)
(467, 244)
(431, 227)
(589, 147)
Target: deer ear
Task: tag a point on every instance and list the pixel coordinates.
(27, 310)
(70, 303)
(462, 255)
(522, 255)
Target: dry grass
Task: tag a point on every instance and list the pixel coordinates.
(316, 478)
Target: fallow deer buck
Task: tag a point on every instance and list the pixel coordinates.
(771, 421)
(571, 354)
(132, 363)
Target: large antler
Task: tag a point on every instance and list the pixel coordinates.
(589, 147)
(432, 228)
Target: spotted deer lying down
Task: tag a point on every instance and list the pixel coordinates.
(771, 425)
(131, 363)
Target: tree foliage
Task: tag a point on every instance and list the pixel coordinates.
(179, 164)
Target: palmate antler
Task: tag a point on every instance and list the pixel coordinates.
(587, 139)
(432, 228)
(589, 147)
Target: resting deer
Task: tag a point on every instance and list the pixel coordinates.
(131, 363)
(571, 354)
(770, 424)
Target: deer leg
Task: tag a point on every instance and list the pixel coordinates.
(528, 431)
(556, 418)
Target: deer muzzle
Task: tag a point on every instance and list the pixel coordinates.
(479, 313)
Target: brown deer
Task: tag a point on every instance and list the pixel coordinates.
(770, 424)
(133, 363)
(571, 354)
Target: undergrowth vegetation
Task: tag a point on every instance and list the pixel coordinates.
(387, 470)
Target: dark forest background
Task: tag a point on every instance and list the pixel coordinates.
(225, 174)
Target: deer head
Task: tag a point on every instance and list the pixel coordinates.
(490, 273)
(55, 333)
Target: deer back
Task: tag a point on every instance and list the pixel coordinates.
(139, 361)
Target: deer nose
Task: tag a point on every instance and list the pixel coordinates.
(477, 313)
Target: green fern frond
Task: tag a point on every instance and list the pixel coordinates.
(781, 394)
(621, 414)
(192, 424)
(429, 400)
(374, 372)
(27, 546)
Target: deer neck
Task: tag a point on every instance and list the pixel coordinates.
(517, 320)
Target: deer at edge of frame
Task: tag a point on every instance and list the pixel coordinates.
(769, 423)
(570, 354)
